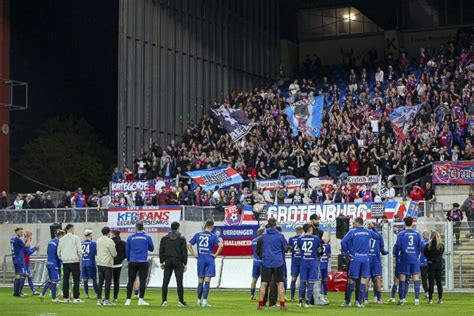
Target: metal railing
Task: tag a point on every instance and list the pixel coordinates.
(56, 215)
(87, 215)
(460, 269)
(404, 178)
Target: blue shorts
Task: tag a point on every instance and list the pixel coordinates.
(256, 269)
(309, 271)
(27, 270)
(397, 273)
(54, 274)
(409, 268)
(324, 274)
(295, 267)
(89, 272)
(206, 267)
(375, 267)
(359, 268)
(20, 269)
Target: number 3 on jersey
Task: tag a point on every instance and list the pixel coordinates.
(410, 240)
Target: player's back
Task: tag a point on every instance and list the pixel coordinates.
(326, 253)
(409, 245)
(18, 250)
(295, 250)
(205, 242)
(89, 251)
(254, 249)
(358, 242)
(52, 252)
(375, 248)
(309, 246)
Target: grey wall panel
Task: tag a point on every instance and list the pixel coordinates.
(178, 57)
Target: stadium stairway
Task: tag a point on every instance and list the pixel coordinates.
(466, 250)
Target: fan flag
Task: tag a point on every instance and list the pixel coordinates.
(401, 120)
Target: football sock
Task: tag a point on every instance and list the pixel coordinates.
(252, 291)
(401, 291)
(16, 286)
(53, 290)
(302, 290)
(206, 289)
(31, 284)
(349, 290)
(46, 287)
(362, 292)
(86, 287)
(293, 288)
(394, 290)
(22, 284)
(200, 286)
(325, 287)
(417, 289)
(309, 294)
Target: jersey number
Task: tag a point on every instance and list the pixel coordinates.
(307, 246)
(410, 240)
(372, 243)
(85, 250)
(203, 241)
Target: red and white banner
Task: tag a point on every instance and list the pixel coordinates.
(156, 219)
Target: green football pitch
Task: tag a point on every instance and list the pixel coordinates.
(228, 303)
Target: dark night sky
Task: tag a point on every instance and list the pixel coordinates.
(67, 52)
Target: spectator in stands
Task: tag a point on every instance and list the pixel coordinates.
(294, 88)
(456, 216)
(379, 75)
(79, 199)
(417, 193)
(352, 81)
(66, 200)
(48, 202)
(128, 174)
(468, 208)
(430, 195)
(139, 199)
(117, 175)
(390, 195)
(296, 197)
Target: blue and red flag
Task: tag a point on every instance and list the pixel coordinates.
(221, 176)
(401, 119)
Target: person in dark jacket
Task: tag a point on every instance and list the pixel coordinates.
(455, 215)
(434, 253)
(173, 257)
(117, 267)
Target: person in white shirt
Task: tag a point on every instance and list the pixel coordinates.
(379, 75)
(70, 253)
(294, 87)
(390, 195)
(106, 253)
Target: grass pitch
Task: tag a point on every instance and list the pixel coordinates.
(227, 303)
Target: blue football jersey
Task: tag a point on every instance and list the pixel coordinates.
(356, 242)
(326, 253)
(295, 250)
(53, 259)
(206, 242)
(18, 250)
(409, 245)
(309, 247)
(89, 251)
(376, 246)
(423, 259)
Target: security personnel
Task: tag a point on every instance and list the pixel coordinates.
(173, 257)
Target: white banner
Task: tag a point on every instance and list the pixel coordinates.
(157, 219)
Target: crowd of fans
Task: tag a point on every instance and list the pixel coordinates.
(356, 136)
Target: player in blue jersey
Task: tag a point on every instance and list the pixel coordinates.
(89, 269)
(310, 248)
(409, 246)
(323, 266)
(356, 244)
(424, 263)
(257, 264)
(295, 259)
(18, 247)
(377, 248)
(205, 242)
(396, 279)
(28, 252)
(54, 267)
